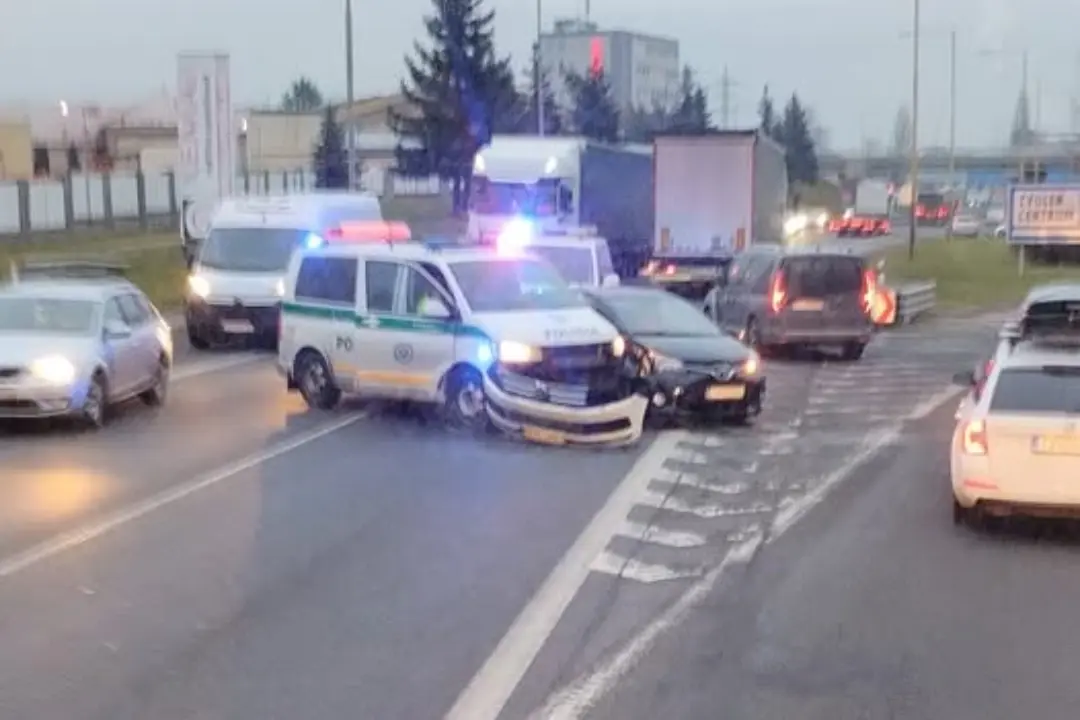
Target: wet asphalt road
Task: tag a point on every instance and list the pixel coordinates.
(364, 573)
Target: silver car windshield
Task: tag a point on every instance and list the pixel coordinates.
(47, 315)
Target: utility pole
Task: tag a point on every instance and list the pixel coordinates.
(725, 100)
(537, 81)
(350, 141)
(952, 121)
(914, 160)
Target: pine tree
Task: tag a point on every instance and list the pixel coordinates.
(767, 119)
(330, 159)
(594, 114)
(641, 125)
(691, 115)
(802, 158)
(303, 97)
(553, 123)
(458, 93)
(1022, 133)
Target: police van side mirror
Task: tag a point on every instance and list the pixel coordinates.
(610, 280)
(435, 309)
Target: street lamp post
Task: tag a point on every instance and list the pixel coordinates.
(349, 98)
(537, 81)
(914, 160)
(952, 122)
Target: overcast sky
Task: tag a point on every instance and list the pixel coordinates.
(846, 58)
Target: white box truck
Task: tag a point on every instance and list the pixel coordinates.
(714, 195)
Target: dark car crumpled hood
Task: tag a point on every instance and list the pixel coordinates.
(696, 350)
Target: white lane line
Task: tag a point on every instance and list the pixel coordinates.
(576, 699)
(654, 535)
(490, 689)
(187, 371)
(80, 536)
(610, 563)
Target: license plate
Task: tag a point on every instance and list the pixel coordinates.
(238, 327)
(808, 305)
(726, 392)
(1056, 445)
(543, 435)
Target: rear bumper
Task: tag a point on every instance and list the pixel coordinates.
(1022, 493)
(778, 333)
(618, 422)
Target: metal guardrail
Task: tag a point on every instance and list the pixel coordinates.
(914, 300)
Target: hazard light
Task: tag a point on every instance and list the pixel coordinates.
(369, 231)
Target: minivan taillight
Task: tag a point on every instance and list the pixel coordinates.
(974, 438)
(778, 292)
(869, 290)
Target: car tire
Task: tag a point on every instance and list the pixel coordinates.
(316, 381)
(196, 339)
(465, 407)
(853, 352)
(94, 414)
(753, 338)
(159, 391)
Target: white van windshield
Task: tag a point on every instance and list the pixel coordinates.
(514, 284)
(575, 264)
(250, 249)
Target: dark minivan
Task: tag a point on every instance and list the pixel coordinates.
(778, 298)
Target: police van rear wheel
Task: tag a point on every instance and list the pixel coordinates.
(465, 404)
(316, 382)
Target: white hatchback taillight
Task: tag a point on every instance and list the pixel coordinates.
(974, 438)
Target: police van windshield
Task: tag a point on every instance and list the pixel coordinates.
(250, 249)
(575, 264)
(514, 284)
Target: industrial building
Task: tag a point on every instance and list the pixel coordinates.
(643, 70)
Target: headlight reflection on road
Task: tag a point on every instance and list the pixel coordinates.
(57, 493)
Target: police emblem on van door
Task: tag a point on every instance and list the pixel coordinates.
(403, 354)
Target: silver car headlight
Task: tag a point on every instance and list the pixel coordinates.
(53, 369)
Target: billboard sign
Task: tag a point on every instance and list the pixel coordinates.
(1043, 215)
(206, 138)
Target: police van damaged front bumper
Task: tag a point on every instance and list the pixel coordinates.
(544, 403)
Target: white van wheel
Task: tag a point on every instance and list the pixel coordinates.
(466, 406)
(316, 382)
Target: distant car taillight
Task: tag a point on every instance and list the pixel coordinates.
(778, 292)
(974, 438)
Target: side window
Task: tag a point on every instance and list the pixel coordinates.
(381, 281)
(327, 279)
(147, 306)
(763, 273)
(735, 272)
(113, 314)
(439, 278)
(135, 314)
(417, 289)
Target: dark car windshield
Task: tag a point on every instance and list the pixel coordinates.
(575, 264)
(47, 315)
(1038, 390)
(822, 276)
(658, 313)
(514, 284)
(250, 249)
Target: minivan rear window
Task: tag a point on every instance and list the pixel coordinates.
(1038, 390)
(819, 276)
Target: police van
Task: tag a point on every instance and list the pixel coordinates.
(237, 274)
(496, 338)
(580, 255)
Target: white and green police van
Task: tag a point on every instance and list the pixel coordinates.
(497, 338)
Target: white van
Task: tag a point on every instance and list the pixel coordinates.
(237, 274)
(581, 256)
(494, 338)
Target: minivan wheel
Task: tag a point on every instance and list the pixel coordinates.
(317, 385)
(853, 351)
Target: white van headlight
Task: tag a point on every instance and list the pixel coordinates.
(516, 353)
(618, 346)
(199, 286)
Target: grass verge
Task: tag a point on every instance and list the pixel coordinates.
(972, 273)
(154, 261)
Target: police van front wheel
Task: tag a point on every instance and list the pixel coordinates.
(316, 382)
(465, 406)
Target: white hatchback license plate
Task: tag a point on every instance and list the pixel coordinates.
(238, 327)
